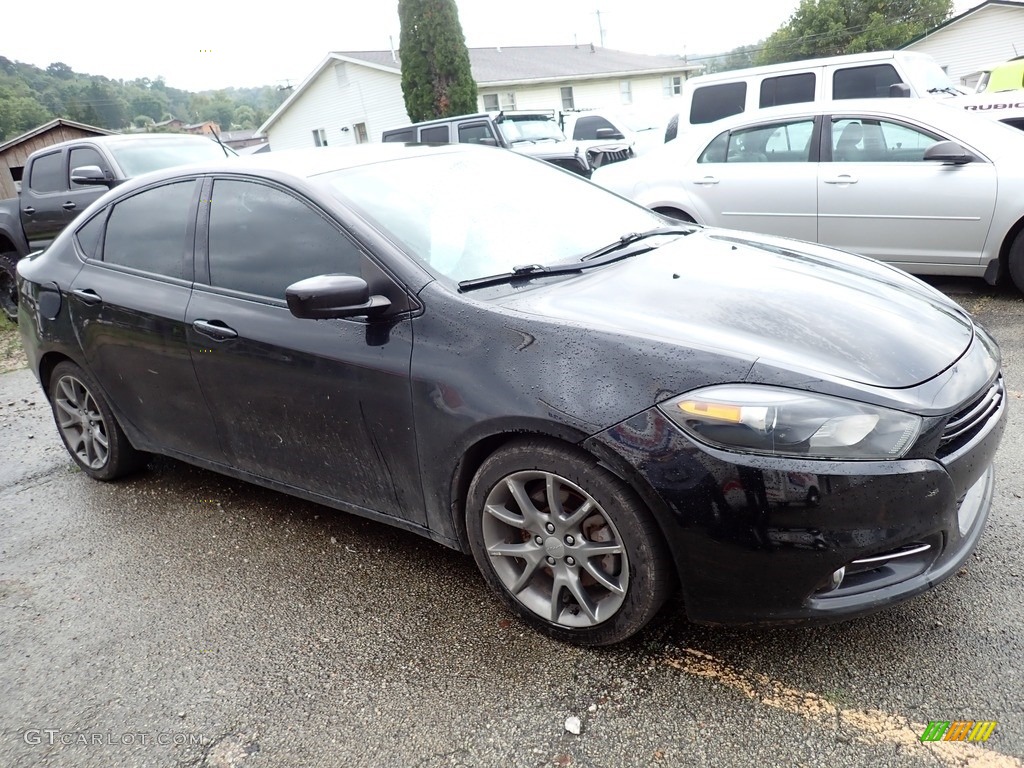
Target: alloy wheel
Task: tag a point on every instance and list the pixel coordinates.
(555, 549)
(81, 422)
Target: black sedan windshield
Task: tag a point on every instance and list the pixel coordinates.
(468, 215)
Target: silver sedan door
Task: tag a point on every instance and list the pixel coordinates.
(759, 179)
(879, 197)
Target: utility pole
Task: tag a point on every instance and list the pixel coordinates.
(600, 28)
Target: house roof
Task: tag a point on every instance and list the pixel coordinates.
(540, 62)
(493, 67)
(962, 16)
(60, 121)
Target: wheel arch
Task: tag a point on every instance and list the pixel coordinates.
(47, 363)
(486, 445)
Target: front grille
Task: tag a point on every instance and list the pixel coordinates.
(599, 157)
(967, 422)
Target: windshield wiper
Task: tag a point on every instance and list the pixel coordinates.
(947, 89)
(614, 252)
(525, 270)
(633, 237)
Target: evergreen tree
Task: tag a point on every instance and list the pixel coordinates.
(436, 76)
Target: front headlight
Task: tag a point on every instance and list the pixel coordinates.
(784, 422)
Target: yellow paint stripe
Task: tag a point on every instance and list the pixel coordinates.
(867, 726)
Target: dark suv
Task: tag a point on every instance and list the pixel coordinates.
(534, 133)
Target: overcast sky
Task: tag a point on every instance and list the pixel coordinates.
(216, 45)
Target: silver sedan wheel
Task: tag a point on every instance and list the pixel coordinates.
(555, 549)
(81, 423)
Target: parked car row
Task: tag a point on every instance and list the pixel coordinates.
(917, 183)
(600, 404)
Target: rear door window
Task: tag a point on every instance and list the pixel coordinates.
(787, 89)
(149, 231)
(713, 102)
(47, 174)
(864, 82)
(436, 134)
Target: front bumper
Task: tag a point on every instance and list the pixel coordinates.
(763, 540)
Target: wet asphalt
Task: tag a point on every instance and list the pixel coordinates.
(179, 618)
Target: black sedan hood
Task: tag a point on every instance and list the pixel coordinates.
(787, 304)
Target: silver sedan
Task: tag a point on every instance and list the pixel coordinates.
(916, 183)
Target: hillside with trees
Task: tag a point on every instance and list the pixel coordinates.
(30, 96)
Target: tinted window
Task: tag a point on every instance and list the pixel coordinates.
(89, 236)
(877, 141)
(475, 133)
(864, 82)
(85, 156)
(788, 89)
(149, 231)
(47, 173)
(262, 240)
(437, 134)
(401, 136)
(587, 127)
(713, 102)
(715, 151)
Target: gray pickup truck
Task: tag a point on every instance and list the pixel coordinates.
(60, 181)
(534, 133)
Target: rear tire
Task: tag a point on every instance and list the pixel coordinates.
(88, 427)
(9, 285)
(566, 544)
(1016, 262)
(675, 213)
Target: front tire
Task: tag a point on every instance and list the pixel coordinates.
(88, 427)
(566, 544)
(9, 285)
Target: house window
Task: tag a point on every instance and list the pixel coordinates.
(567, 100)
(497, 102)
(362, 137)
(672, 85)
(626, 91)
(320, 137)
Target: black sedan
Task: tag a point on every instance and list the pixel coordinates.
(600, 404)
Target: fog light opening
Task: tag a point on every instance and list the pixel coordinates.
(836, 580)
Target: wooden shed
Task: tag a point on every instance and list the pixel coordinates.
(15, 152)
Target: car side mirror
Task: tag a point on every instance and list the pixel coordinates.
(487, 141)
(899, 91)
(91, 175)
(333, 296)
(948, 153)
(609, 133)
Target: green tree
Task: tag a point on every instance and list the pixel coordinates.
(436, 77)
(834, 27)
(244, 117)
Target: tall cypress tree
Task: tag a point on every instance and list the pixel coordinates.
(436, 76)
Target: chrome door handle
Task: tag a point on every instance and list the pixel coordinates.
(707, 180)
(215, 329)
(843, 178)
(88, 296)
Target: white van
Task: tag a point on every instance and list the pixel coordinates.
(707, 98)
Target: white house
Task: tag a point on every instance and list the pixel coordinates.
(976, 40)
(353, 96)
